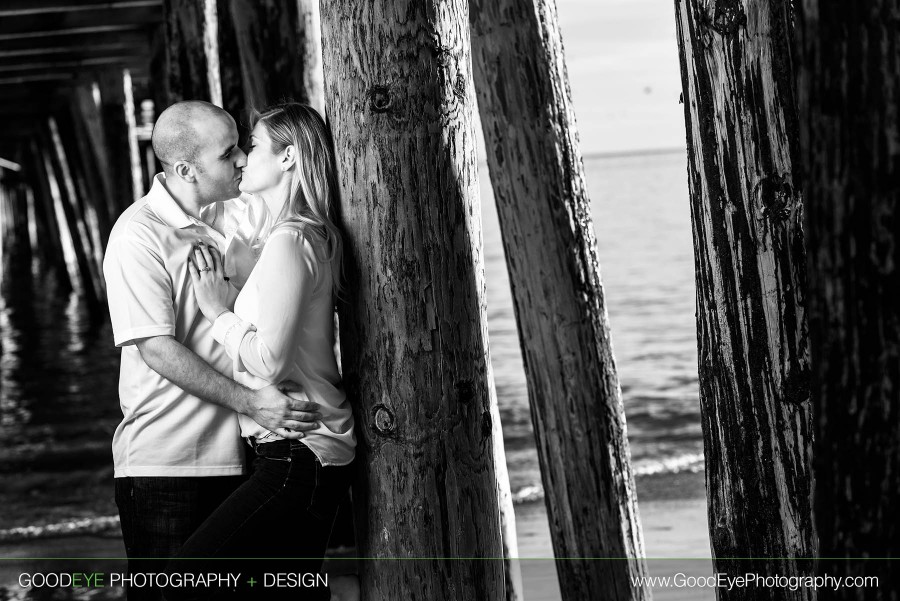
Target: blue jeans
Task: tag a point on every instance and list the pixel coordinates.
(158, 514)
(278, 521)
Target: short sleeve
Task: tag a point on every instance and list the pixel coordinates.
(139, 290)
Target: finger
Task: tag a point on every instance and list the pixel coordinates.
(218, 264)
(297, 426)
(199, 259)
(282, 432)
(204, 250)
(290, 386)
(305, 416)
(192, 271)
(301, 405)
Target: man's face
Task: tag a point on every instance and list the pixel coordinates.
(219, 160)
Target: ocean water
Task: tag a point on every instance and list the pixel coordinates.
(642, 221)
(58, 367)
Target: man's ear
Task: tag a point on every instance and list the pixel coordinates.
(185, 171)
(289, 158)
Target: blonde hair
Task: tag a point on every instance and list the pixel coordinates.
(313, 192)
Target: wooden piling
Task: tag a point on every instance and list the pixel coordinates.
(313, 75)
(10, 239)
(192, 51)
(134, 155)
(87, 185)
(268, 45)
(414, 329)
(747, 216)
(89, 267)
(51, 251)
(118, 127)
(94, 157)
(849, 81)
(58, 215)
(159, 69)
(31, 218)
(545, 218)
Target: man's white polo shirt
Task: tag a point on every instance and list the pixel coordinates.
(165, 430)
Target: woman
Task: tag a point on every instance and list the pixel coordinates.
(282, 328)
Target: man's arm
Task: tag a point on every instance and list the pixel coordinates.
(269, 406)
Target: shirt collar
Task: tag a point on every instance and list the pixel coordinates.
(165, 206)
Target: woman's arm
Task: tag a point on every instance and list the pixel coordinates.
(284, 283)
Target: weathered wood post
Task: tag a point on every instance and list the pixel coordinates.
(238, 54)
(576, 406)
(33, 236)
(7, 228)
(87, 186)
(117, 111)
(15, 249)
(192, 51)
(51, 251)
(94, 156)
(414, 330)
(56, 214)
(313, 74)
(848, 88)
(271, 52)
(746, 210)
(68, 209)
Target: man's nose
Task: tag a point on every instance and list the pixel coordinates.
(240, 158)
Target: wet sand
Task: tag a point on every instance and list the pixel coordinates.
(674, 532)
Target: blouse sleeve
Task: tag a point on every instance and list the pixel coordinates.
(284, 286)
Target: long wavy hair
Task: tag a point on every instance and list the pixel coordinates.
(314, 188)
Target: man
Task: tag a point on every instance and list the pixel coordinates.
(178, 451)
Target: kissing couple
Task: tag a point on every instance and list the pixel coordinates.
(221, 284)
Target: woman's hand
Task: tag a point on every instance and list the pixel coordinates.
(208, 275)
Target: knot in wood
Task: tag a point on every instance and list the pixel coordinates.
(380, 99)
(384, 419)
(796, 386)
(486, 424)
(728, 17)
(465, 391)
(459, 88)
(776, 195)
(443, 55)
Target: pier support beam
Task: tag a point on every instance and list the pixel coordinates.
(51, 251)
(269, 54)
(414, 335)
(192, 51)
(548, 237)
(849, 83)
(747, 215)
(94, 157)
(69, 207)
(117, 110)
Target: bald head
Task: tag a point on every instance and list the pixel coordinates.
(180, 131)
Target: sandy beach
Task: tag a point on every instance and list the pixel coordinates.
(676, 541)
(674, 531)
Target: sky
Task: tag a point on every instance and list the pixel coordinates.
(622, 58)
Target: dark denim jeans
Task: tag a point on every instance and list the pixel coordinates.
(158, 514)
(278, 521)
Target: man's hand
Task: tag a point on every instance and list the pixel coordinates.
(270, 407)
(286, 416)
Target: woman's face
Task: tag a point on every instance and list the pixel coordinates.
(263, 171)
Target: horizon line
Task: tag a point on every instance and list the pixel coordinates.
(618, 154)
